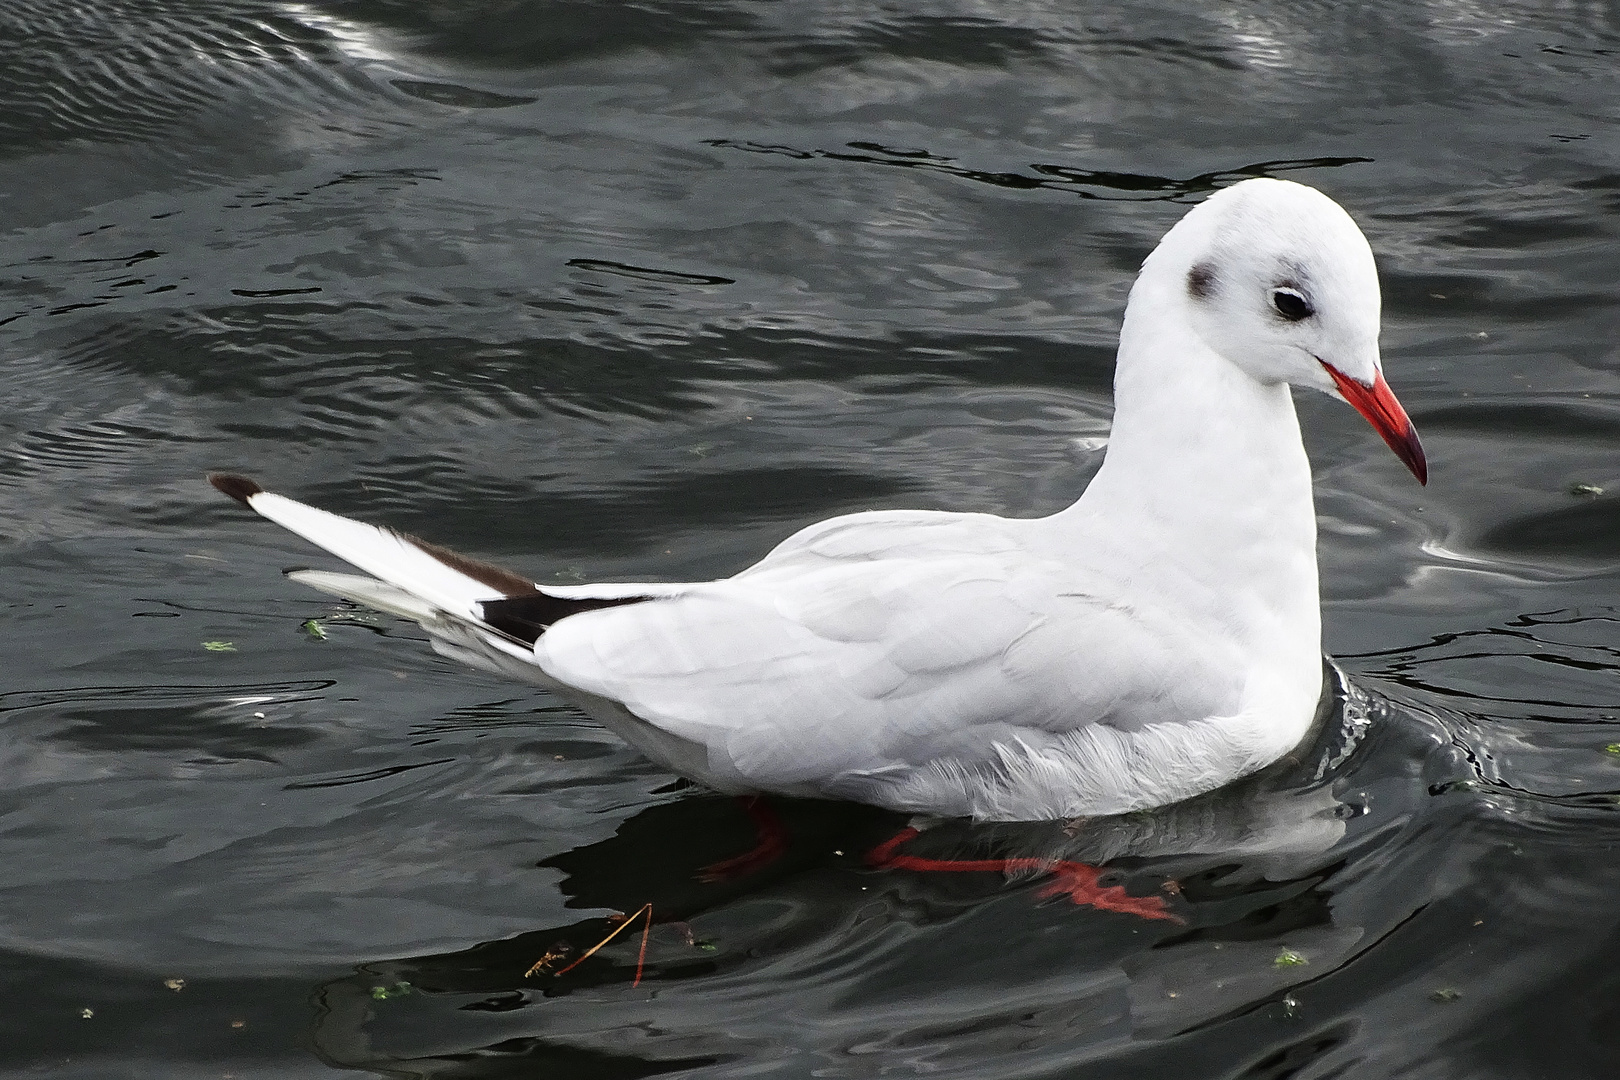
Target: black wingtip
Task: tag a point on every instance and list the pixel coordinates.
(239, 488)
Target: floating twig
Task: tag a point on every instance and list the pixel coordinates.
(641, 957)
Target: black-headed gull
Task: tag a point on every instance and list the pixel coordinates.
(1155, 640)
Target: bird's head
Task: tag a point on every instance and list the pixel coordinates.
(1280, 281)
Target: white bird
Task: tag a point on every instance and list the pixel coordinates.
(1155, 640)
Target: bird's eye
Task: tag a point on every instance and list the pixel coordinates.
(1291, 304)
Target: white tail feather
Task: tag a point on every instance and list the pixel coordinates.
(380, 552)
(380, 595)
(469, 643)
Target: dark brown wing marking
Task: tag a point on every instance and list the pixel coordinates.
(527, 617)
(498, 578)
(239, 488)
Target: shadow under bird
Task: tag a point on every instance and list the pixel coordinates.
(1157, 639)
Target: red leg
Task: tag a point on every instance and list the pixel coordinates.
(1078, 881)
(772, 843)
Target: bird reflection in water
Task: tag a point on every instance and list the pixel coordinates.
(1196, 882)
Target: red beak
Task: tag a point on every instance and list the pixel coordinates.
(1377, 403)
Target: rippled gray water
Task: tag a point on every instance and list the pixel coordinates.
(606, 290)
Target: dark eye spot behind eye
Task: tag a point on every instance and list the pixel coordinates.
(1201, 281)
(1291, 304)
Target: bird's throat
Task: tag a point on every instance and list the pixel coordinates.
(1205, 479)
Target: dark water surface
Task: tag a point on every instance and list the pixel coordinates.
(607, 290)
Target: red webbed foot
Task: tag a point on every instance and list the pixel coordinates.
(1077, 881)
(771, 845)
(1080, 883)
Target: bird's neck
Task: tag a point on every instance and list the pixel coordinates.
(1205, 479)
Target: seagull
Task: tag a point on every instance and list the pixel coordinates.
(1157, 639)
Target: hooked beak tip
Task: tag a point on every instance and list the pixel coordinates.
(1378, 405)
